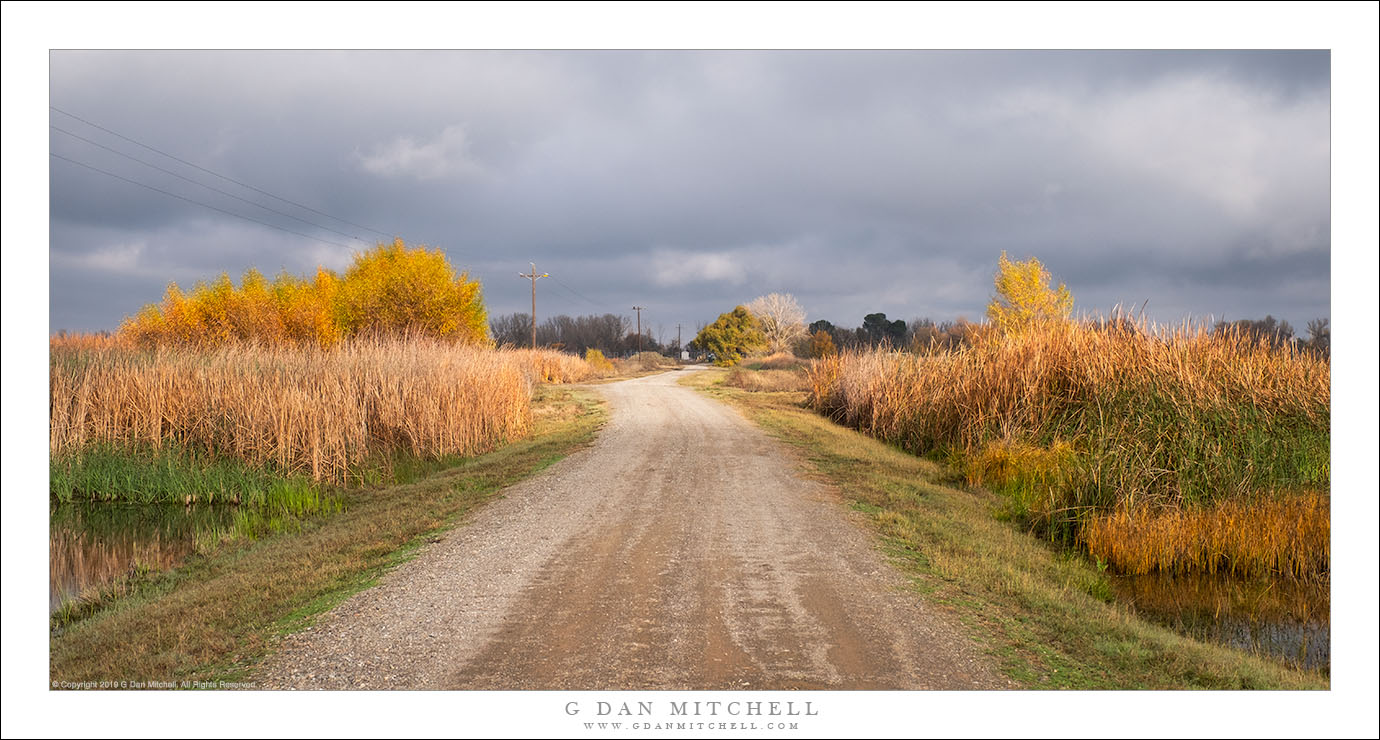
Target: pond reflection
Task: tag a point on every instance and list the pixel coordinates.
(92, 546)
(1289, 620)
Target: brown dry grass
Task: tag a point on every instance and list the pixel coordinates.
(779, 361)
(641, 363)
(767, 380)
(551, 366)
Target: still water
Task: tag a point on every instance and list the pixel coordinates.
(1288, 620)
(91, 546)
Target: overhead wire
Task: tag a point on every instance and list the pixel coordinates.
(197, 202)
(578, 294)
(217, 174)
(204, 185)
(227, 178)
(566, 293)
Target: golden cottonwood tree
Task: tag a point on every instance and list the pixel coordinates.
(1024, 297)
(389, 290)
(307, 307)
(396, 290)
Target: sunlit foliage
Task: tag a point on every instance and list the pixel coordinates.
(391, 290)
(598, 361)
(732, 336)
(394, 290)
(1024, 297)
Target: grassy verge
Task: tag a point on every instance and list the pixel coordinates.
(1045, 616)
(214, 617)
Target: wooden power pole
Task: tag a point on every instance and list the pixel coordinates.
(533, 275)
(638, 309)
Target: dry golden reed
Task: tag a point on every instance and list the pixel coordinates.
(551, 366)
(319, 412)
(780, 361)
(1275, 536)
(1075, 420)
(86, 340)
(1008, 385)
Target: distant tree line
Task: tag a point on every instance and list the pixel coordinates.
(609, 333)
(1025, 297)
(920, 334)
(926, 335)
(1280, 333)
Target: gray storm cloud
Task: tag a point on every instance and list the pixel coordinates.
(691, 181)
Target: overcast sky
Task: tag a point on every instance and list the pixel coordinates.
(688, 182)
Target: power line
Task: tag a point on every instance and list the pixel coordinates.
(572, 294)
(204, 185)
(197, 202)
(567, 293)
(577, 294)
(227, 178)
(217, 174)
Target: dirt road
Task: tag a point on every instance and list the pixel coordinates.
(683, 550)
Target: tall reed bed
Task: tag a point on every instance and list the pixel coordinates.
(318, 413)
(1082, 426)
(1285, 535)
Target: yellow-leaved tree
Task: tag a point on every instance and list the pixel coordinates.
(395, 290)
(390, 290)
(1024, 297)
(307, 307)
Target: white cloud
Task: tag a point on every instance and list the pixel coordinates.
(676, 267)
(118, 258)
(1247, 150)
(447, 155)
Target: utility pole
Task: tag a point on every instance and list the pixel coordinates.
(638, 309)
(679, 347)
(533, 275)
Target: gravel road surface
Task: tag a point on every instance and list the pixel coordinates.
(682, 550)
